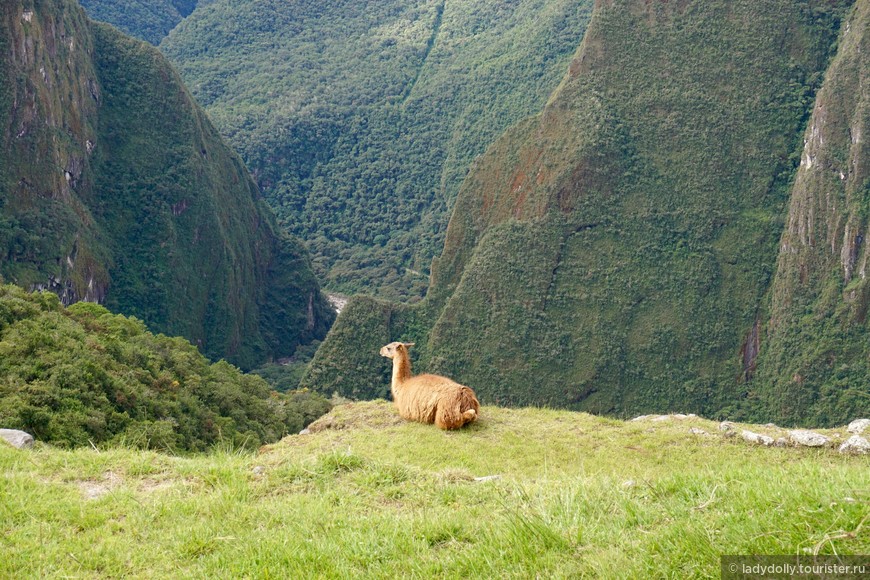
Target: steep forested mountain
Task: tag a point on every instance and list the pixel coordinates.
(616, 252)
(360, 119)
(149, 20)
(815, 362)
(116, 188)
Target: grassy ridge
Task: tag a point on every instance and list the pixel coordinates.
(377, 497)
(360, 119)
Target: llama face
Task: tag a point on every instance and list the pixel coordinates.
(393, 348)
(389, 350)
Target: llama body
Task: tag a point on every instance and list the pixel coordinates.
(428, 398)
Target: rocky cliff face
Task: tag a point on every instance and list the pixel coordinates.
(615, 253)
(814, 363)
(51, 98)
(117, 189)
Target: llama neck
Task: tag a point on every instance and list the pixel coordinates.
(401, 370)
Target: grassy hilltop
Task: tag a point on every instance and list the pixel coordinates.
(368, 495)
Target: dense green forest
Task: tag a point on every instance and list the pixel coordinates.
(149, 20)
(116, 188)
(814, 363)
(615, 253)
(359, 120)
(79, 375)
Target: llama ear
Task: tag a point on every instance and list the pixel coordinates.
(408, 344)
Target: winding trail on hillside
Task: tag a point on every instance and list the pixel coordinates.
(436, 28)
(558, 259)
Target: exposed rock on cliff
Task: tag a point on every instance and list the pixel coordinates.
(815, 363)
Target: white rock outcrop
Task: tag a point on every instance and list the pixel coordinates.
(757, 438)
(16, 438)
(855, 444)
(808, 438)
(858, 426)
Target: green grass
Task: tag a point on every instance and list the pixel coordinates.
(369, 495)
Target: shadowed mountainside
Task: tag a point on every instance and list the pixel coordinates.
(815, 362)
(117, 189)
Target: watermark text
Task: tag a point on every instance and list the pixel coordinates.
(775, 567)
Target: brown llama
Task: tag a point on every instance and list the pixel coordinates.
(428, 398)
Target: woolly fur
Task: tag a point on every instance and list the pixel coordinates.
(428, 398)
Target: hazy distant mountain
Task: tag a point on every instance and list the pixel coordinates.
(360, 119)
(149, 20)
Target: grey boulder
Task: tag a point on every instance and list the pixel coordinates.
(757, 438)
(16, 438)
(808, 438)
(855, 444)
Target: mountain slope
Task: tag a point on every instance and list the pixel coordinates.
(149, 20)
(613, 253)
(815, 363)
(564, 495)
(360, 119)
(117, 189)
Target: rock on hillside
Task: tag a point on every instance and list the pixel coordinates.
(16, 438)
(115, 188)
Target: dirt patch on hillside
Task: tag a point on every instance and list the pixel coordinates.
(95, 489)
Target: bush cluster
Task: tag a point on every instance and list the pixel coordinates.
(80, 375)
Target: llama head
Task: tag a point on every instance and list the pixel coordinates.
(394, 348)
